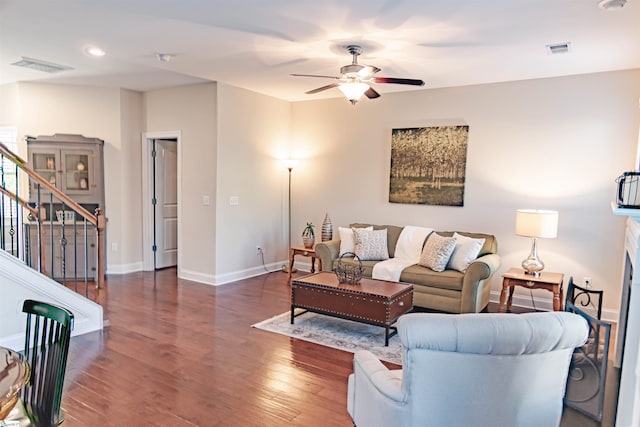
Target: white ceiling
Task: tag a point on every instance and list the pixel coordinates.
(256, 44)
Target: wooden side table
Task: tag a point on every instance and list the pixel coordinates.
(516, 277)
(308, 252)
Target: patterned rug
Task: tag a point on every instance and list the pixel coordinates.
(337, 333)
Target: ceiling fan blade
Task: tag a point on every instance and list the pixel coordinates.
(371, 93)
(320, 89)
(395, 80)
(314, 75)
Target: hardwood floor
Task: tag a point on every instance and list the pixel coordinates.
(179, 353)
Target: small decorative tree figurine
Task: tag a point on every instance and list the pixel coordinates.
(308, 236)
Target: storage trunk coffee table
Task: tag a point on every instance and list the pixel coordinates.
(375, 302)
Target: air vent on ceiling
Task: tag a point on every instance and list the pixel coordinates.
(558, 48)
(40, 65)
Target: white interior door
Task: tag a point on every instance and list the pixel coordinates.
(166, 203)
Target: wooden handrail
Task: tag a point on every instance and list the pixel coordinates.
(33, 211)
(68, 201)
(98, 219)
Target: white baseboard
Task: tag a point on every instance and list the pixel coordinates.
(124, 268)
(234, 276)
(218, 279)
(546, 304)
(221, 279)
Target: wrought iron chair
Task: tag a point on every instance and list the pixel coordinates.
(588, 370)
(46, 349)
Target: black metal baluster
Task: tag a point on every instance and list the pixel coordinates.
(51, 233)
(75, 254)
(12, 231)
(39, 224)
(18, 211)
(86, 260)
(2, 221)
(63, 247)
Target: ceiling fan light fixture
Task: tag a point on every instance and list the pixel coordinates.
(353, 90)
(95, 51)
(611, 4)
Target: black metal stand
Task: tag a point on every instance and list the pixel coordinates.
(588, 371)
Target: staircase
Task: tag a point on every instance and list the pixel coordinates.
(64, 265)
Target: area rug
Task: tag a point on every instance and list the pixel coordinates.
(336, 333)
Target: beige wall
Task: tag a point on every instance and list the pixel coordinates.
(127, 254)
(253, 138)
(45, 109)
(192, 111)
(545, 144)
(552, 143)
(9, 104)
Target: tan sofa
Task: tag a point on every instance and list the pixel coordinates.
(449, 291)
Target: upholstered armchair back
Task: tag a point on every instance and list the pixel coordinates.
(470, 370)
(488, 369)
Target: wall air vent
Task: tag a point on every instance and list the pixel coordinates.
(558, 48)
(39, 65)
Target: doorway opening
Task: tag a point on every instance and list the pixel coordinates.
(161, 200)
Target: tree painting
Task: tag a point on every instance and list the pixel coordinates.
(428, 165)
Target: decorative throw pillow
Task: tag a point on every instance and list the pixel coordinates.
(371, 245)
(437, 251)
(347, 239)
(465, 252)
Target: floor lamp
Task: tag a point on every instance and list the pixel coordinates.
(291, 163)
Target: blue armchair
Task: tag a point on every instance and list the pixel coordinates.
(469, 370)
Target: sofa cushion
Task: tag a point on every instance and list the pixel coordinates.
(422, 276)
(371, 245)
(393, 233)
(490, 242)
(437, 251)
(347, 240)
(464, 253)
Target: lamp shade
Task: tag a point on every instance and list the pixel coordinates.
(353, 90)
(537, 223)
(290, 163)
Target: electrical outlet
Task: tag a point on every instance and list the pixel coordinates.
(587, 282)
(258, 249)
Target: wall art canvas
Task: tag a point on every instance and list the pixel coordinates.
(428, 165)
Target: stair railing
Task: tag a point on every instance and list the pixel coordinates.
(50, 258)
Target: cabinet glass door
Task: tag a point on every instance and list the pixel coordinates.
(45, 163)
(78, 173)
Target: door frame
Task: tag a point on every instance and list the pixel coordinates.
(147, 195)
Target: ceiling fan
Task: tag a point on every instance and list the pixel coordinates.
(356, 79)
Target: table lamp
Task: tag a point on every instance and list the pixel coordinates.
(536, 224)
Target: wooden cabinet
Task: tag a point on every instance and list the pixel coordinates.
(74, 165)
(66, 258)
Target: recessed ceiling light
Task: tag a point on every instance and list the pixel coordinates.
(95, 51)
(557, 48)
(612, 4)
